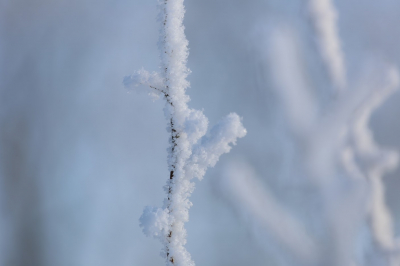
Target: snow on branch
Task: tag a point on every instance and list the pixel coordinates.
(323, 17)
(374, 162)
(211, 146)
(363, 137)
(191, 149)
(155, 222)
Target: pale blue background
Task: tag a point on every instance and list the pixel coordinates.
(80, 157)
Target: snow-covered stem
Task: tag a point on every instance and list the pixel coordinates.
(191, 150)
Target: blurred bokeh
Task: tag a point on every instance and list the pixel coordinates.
(80, 156)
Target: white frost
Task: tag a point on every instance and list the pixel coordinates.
(155, 222)
(153, 81)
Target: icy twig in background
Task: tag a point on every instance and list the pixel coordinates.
(325, 151)
(192, 150)
(374, 162)
(346, 169)
(153, 81)
(323, 17)
(240, 186)
(319, 145)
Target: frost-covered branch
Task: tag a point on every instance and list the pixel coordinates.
(374, 162)
(211, 146)
(317, 137)
(332, 149)
(323, 17)
(191, 151)
(153, 81)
